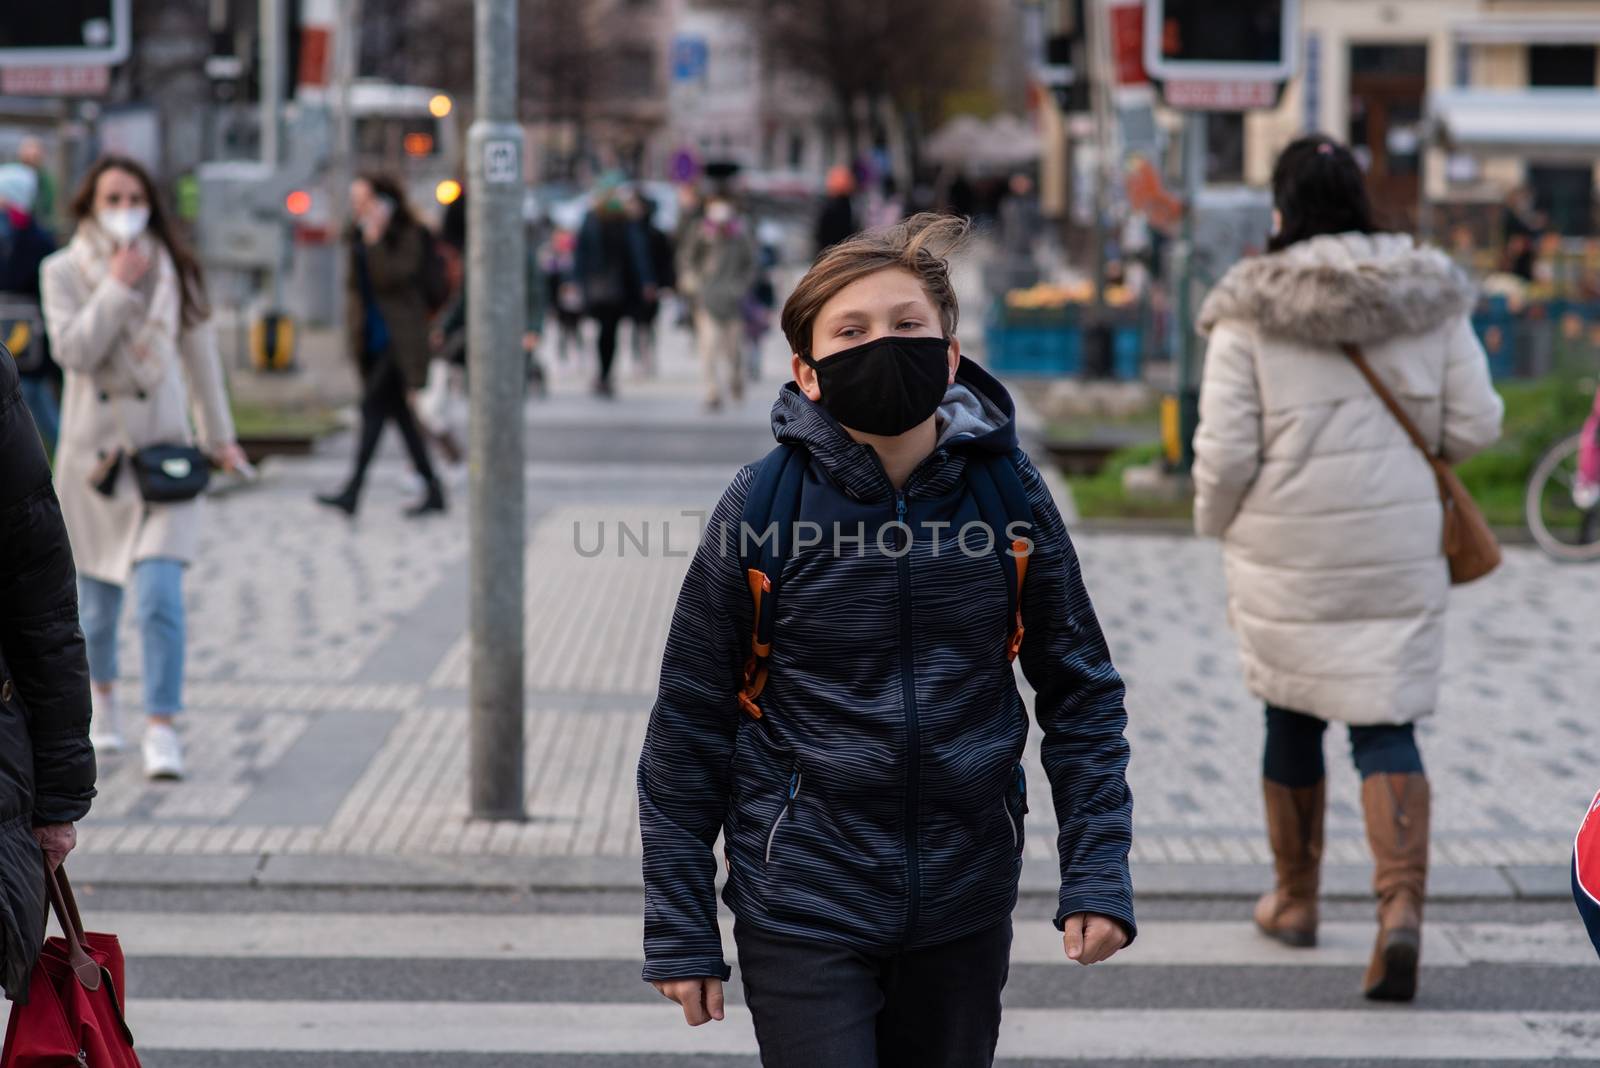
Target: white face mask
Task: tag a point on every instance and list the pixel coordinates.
(124, 224)
(720, 212)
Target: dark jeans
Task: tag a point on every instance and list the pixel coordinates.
(608, 318)
(384, 398)
(818, 1004)
(1294, 749)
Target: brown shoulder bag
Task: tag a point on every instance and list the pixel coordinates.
(1469, 544)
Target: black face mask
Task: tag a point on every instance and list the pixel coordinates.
(886, 386)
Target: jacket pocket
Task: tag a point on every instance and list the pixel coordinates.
(1016, 805)
(793, 791)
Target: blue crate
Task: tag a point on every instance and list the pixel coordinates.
(1034, 350)
(1127, 353)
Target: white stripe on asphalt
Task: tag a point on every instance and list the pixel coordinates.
(549, 936)
(1099, 1035)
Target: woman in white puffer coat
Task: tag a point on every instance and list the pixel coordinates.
(1331, 520)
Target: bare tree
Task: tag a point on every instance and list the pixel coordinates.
(908, 54)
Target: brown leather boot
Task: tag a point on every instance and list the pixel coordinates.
(1397, 808)
(1294, 827)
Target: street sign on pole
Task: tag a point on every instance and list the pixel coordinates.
(55, 81)
(1193, 95)
(496, 259)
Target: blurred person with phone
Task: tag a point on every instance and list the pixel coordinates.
(387, 332)
(128, 320)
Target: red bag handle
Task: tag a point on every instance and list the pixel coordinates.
(66, 910)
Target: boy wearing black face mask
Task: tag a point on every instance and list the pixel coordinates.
(840, 705)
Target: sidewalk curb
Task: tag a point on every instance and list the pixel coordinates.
(582, 874)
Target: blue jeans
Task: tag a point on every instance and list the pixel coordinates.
(40, 398)
(158, 606)
(1294, 749)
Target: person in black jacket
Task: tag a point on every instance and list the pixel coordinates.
(614, 272)
(837, 220)
(47, 768)
(24, 244)
(867, 773)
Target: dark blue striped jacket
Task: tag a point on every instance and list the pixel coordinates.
(878, 802)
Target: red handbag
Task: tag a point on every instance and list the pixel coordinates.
(73, 1018)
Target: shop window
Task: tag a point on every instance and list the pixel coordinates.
(1554, 66)
(1566, 196)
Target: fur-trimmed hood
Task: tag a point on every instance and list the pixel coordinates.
(1345, 287)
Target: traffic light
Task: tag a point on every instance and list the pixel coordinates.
(1203, 39)
(65, 33)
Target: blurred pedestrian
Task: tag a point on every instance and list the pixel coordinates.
(718, 269)
(1331, 521)
(563, 295)
(1523, 225)
(442, 402)
(888, 206)
(30, 153)
(24, 244)
(387, 332)
(837, 220)
(47, 766)
(662, 255)
(614, 271)
(760, 307)
(126, 309)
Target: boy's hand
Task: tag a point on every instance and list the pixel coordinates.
(1090, 939)
(701, 998)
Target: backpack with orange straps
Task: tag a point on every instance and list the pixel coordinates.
(774, 502)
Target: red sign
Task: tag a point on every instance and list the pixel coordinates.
(1127, 44)
(1586, 854)
(1220, 96)
(55, 81)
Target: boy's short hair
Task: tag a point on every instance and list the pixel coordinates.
(922, 245)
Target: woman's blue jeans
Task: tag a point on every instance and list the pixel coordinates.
(1294, 749)
(158, 608)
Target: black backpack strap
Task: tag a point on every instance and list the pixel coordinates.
(766, 534)
(1003, 505)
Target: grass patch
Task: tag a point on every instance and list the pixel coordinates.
(1100, 496)
(260, 421)
(1538, 414)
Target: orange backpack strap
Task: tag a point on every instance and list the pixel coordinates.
(1002, 503)
(766, 532)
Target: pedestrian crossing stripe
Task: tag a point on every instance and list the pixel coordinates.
(546, 936)
(1092, 1035)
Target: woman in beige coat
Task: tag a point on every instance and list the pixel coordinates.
(127, 319)
(1331, 521)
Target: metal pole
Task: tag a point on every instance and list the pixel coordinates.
(270, 88)
(346, 68)
(1194, 180)
(495, 265)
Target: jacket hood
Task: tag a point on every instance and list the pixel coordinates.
(976, 414)
(1354, 287)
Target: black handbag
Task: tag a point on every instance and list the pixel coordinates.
(170, 473)
(165, 474)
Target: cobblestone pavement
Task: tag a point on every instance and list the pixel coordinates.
(328, 669)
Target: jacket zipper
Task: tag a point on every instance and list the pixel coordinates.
(908, 687)
(794, 792)
(913, 740)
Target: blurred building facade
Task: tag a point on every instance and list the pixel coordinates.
(1385, 75)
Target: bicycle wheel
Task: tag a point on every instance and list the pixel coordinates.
(1559, 526)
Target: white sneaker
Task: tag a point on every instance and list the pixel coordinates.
(163, 753)
(105, 722)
